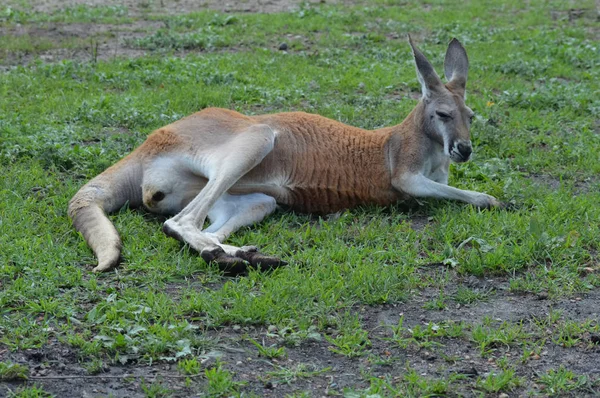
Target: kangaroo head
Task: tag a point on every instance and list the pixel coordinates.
(446, 117)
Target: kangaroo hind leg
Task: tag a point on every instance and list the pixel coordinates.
(224, 165)
(230, 213)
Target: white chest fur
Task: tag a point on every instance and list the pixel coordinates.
(436, 166)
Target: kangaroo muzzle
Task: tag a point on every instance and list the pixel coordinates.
(461, 151)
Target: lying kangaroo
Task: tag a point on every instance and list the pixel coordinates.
(234, 169)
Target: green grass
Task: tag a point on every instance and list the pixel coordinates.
(31, 392)
(410, 385)
(220, 382)
(300, 371)
(504, 381)
(489, 337)
(533, 84)
(12, 371)
(351, 340)
(561, 381)
(271, 351)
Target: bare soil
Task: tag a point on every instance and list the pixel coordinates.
(79, 41)
(144, 7)
(56, 367)
(93, 41)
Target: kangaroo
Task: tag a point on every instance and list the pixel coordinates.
(235, 169)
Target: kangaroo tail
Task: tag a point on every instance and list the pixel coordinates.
(106, 193)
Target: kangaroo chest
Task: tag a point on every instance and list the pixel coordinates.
(436, 165)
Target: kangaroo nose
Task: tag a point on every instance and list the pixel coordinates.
(465, 150)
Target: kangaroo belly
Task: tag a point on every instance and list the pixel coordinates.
(329, 200)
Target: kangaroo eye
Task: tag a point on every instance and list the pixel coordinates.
(443, 115)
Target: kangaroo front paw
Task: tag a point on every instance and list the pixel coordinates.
(486, 201)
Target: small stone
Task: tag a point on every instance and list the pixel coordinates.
(208, 362)
(542, 296)
(283, 46)
(469, 372)
(503, 395)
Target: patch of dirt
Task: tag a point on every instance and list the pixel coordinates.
(56, 368)
(334, 372)
(554, 183)
(573, 14)
(418, 223)
(92, 41)
(80, 41)
(60, 369)
(142, 7)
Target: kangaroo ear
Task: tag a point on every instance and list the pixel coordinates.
(456, 65)
(425, 73)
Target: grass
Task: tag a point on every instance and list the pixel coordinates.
(268, 351)
(289, 375)
(534, 86)
(504, 381)
(410, 385)
(12, 371)
(561, 380)
(489, 337)
(220, 382)
(31, 392)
